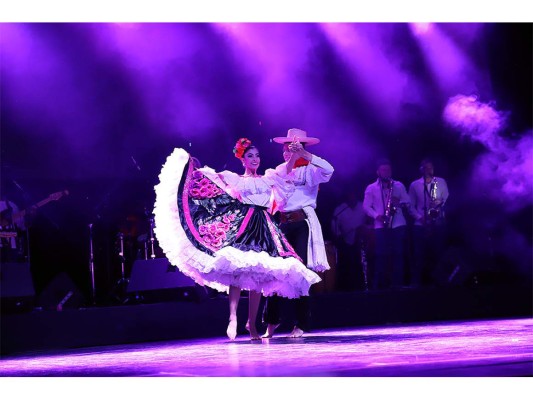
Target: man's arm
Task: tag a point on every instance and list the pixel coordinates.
(321, 169)
(368, 203)
(413, 210)
(445, 192)
(291, 162)
(404, 197)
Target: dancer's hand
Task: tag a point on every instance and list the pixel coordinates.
(299, 151)
(295, 146)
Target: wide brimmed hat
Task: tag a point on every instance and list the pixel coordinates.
(296, 133)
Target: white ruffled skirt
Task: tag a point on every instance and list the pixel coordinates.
(232, 264)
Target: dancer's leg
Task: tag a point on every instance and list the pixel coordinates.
(234, 296)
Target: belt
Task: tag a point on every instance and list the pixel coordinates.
(292, 216)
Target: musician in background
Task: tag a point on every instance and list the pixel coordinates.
(428, 198)
(384, 201)
(15, 224)
(12, 226)
(346, 226)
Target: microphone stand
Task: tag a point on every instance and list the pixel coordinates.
(364, 263)
(152, 238)
(122, 259)
(336, 218)
(122, 283)
(148, 214)
(91, 264)
(97, 210)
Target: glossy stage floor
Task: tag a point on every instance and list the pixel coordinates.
(483, 348)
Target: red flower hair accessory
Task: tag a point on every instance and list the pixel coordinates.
(241, 146)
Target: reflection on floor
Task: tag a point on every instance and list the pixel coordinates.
(466, 348)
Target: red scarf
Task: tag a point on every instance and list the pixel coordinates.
(301, 162)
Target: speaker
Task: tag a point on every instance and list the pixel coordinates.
(15, 280)
(16, 287)
(61, 293)
(453, 269)
(158, 280)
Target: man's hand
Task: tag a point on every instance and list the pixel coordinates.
(298, 150)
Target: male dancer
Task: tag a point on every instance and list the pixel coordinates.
(299, 222)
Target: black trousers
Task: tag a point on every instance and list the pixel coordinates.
(297, 233)
(389, 252)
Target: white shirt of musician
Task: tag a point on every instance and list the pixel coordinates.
(376, 198)
(306, 180)
(417, 193)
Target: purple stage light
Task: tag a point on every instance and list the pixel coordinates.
(51, 93)
(163, 63)
(452, 69)
(421, 28)
(274, 55)
(279, 57)
(365, 48)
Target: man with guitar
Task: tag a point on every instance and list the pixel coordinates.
(13, 226)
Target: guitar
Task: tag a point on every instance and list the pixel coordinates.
(9, 221)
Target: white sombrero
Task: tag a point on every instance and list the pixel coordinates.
(296, 133)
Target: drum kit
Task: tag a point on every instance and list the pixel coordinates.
(147, 244)
(135, 240)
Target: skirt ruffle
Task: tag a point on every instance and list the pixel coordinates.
(237, 260)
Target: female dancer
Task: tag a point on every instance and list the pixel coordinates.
(220, 232)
